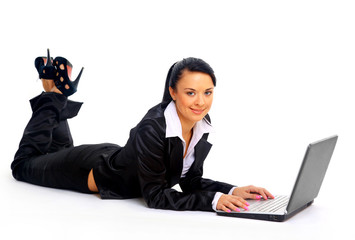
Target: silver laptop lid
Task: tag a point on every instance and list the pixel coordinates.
(312, 172)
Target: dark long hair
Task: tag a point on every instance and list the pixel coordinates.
(176, 70)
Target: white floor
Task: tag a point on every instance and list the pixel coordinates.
(31, 212)
(285, 73)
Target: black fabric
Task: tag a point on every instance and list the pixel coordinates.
(46, 155)
(148, 165)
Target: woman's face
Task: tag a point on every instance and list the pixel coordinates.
(193, 96)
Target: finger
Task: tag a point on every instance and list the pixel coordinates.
(225, 209)
(256, 196)
(261, 191)
(263, 195)
(266, 194)
(229, 207)
(258, 193)
(252, 196)
(240, 202)
(269, 194)
(233, 207)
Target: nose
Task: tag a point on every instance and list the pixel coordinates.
(200, 100)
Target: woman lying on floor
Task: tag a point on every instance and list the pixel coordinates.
(167, 147)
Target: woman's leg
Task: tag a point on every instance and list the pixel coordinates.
(66, 169)
(37, 138)
(46, 155)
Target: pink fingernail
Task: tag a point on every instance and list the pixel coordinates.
(258, 197)
(246, 208)
(247, 204)
(228, 210)
(237, 210)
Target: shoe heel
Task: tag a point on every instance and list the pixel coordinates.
(76, 82)
(44, 67)
(49, 63)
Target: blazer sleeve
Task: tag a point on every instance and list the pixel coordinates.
(194, 182)
(152, 173)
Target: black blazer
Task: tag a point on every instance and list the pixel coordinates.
(150, 164)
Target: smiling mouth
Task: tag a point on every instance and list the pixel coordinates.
(197, 111)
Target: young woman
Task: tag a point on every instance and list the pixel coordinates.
(167, 147)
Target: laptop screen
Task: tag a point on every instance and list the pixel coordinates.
(312, 172)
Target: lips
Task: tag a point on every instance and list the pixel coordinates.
(197, 111)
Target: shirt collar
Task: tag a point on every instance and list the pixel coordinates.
(173, 124)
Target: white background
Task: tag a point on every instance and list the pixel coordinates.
(284, 79)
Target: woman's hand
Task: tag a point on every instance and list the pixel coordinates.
(233, 202)
(252, 192)
(230, 203)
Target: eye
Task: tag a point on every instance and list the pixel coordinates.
(190, 93)
(208, 93)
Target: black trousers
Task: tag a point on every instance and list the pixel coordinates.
(46, 155)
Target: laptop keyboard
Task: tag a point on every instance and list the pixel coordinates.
(270, 205)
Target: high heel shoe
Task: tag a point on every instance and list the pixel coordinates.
(45, 68)
(62, 78)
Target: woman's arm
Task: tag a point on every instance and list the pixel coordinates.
(195, 182)
(152, 173)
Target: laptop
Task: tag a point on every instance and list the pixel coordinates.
(305, 190)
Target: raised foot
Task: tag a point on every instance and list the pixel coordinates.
(49, 86)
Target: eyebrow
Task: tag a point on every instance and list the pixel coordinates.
(191, 89)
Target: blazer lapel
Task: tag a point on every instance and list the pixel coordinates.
(202, 149)
(176, 150)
